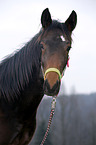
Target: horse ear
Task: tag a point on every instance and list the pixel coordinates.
(71, 21)
(46, 18)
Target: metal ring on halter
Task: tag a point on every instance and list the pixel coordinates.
(53, 70)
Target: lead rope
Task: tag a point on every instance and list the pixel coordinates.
(53, 105)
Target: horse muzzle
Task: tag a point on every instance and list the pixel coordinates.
(51, 91)
(52, 79)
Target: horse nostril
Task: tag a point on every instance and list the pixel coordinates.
(51, 90)
(46, 85)
(56, 86)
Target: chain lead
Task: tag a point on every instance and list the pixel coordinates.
(53, 105)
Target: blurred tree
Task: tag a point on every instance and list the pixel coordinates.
(74, 121)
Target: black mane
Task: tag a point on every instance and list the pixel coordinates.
(17, 70)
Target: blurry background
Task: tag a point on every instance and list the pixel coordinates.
(20, 21)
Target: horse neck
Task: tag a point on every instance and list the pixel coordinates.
(17, 71)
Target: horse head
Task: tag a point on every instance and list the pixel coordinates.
(55, 43)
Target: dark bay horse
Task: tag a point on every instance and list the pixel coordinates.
(21, 78)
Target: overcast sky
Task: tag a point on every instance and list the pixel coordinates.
(20, 21)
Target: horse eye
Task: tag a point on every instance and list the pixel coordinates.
(41, 46)
(68, 48)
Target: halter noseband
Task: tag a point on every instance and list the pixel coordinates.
(53, 70)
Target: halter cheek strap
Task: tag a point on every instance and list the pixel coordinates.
(53, 70)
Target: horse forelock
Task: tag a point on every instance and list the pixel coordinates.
(58, 25)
